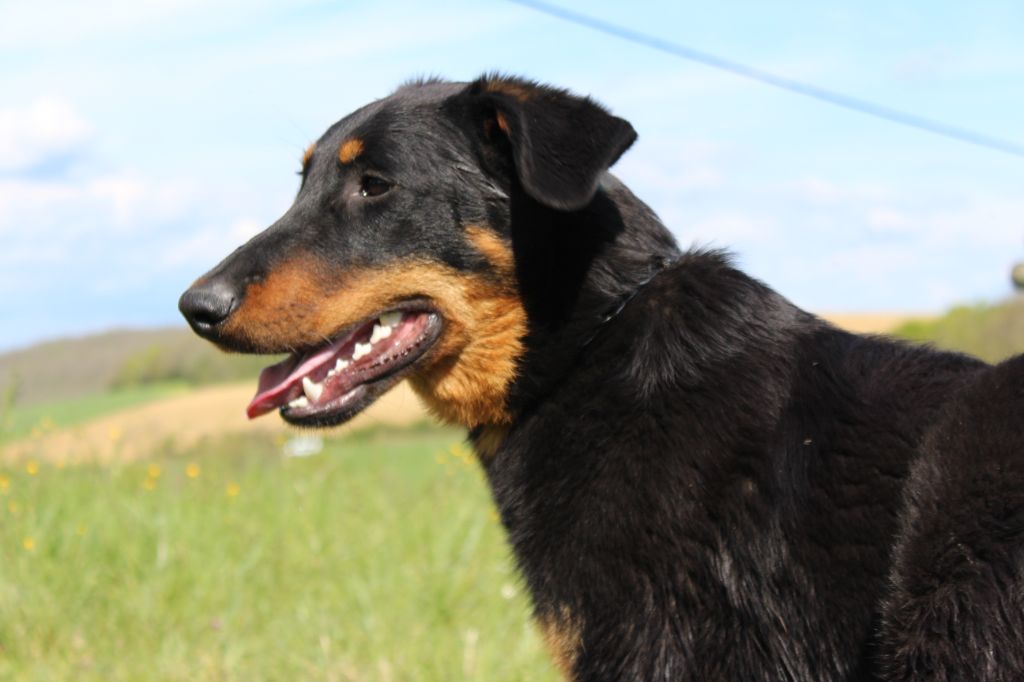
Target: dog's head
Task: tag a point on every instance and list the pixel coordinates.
(395, 259)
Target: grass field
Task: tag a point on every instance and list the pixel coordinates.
(381, 559)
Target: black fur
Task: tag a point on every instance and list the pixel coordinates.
(702, 482)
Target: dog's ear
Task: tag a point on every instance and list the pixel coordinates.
(560, 144)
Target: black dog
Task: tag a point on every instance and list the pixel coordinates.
(699, 480)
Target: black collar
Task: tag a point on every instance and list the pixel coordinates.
(613, 312)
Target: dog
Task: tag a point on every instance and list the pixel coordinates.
(699, 480)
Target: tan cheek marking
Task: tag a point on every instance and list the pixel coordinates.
(469, 382)
(307, 155)
(466, 375)
(350, 150)
(497, 251)
(562, 639)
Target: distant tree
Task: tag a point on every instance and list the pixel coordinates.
(1017, 275)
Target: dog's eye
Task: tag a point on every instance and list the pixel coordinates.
(372, 186)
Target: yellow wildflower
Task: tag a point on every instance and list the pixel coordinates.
(13, 507)
(32, 467)
(233, 489)
(5, 483)
(192, 470)
(153, 471)
(463, 454)
(29, 544)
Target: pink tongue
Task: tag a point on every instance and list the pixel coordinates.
(276, 381)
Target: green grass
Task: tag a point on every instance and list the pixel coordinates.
(381, 559)
(990, 332)
(21, 421)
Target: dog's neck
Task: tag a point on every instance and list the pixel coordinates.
(575, 271)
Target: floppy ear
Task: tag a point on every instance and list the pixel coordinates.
(561, 144)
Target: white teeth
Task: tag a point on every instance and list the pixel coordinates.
(339, 367)
(312, 389)
(379, 333)
(361, 350)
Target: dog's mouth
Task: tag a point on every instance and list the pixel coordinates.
(331, 383)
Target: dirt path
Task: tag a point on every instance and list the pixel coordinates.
(183, 420)
(871, 323)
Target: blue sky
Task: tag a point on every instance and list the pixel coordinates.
(140, 142)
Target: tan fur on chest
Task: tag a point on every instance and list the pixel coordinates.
(561, 636)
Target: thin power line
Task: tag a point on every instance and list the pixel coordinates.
(800, 88)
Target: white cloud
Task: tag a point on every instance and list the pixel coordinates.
(245, 229)
(827, 192)
(59, 23)
(46, 129)
(921, 253)
(673, 167)
(649, 177)
(63, 209)
(121, 233)
(926, 63)
(729, 230)
(885, 219)
(980, 222)
(211, 243)
(930, 216)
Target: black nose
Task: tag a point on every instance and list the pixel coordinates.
(207, 305)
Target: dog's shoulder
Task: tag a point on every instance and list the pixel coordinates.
(699, 318)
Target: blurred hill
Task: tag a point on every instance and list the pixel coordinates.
(75, 367)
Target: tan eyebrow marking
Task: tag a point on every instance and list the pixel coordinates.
(307, 155)
(350, 150)
(502, 122)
